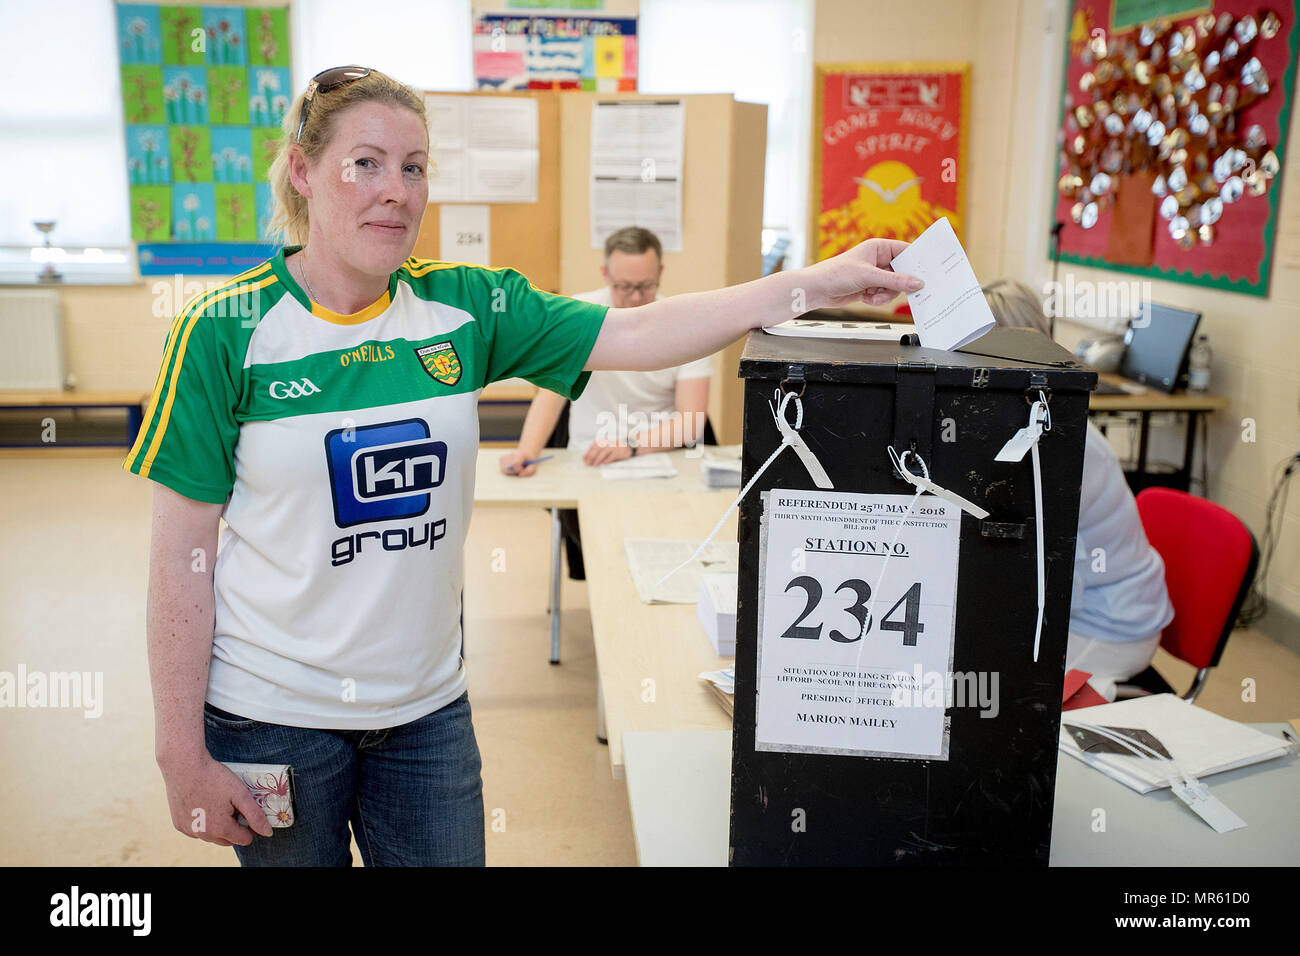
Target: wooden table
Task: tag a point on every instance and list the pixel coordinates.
(649, 655)
(561, 483)
(1150, 400)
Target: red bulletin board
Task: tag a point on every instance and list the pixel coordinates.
(1133, 231)
(889, 151)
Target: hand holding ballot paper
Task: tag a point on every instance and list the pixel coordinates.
(951, 310)
(947, 304)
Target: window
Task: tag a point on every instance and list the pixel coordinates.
(65, 153)
(759, 50)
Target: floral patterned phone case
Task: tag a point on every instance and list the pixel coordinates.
(272, 788)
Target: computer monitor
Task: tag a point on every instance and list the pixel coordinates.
(1157, 349)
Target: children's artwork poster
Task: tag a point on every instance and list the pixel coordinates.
(521, 52)
(889, 151)
(204, 91)
(1173, 128)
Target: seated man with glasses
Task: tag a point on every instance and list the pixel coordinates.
(620, 414)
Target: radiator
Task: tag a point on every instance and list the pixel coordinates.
(31, 340)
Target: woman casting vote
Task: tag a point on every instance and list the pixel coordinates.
(324, 404)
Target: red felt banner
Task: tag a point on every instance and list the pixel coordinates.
(888, 152)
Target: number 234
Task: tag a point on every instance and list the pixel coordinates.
(911, 625)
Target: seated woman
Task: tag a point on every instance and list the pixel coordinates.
(1119, 603)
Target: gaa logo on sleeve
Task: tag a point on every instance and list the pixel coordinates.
(383, 471)
(440, 361)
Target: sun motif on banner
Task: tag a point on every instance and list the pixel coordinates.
(888, 204)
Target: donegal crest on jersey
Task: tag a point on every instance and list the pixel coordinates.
(441, 361)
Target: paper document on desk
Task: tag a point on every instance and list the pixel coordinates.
(1201, 742)
(827, 329)
(721, 466)
(649, 559)
(639, 466)
(723, 685)
(951, 310)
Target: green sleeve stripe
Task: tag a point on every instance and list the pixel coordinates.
(198, 302)
(160, 406)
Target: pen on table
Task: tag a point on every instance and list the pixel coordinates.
(1291, 737)
(533, 461)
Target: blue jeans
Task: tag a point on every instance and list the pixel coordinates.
(413, 794)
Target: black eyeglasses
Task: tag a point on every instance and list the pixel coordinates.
(323, 82)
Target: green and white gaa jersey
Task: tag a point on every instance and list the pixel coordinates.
(343, 447)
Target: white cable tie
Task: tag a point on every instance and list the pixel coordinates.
(923, 483)
(789, 439)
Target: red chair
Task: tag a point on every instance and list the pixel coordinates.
(1210, 560)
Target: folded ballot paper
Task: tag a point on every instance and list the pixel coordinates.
(951, 310)
(1198, 741)
(717, 610)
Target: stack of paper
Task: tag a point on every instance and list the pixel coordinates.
(640, 466)
(717, 610)
(1198, 741)
(828, 329)
(723, 685)
(721, 466)
(649, 559)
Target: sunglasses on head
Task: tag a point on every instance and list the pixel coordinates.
(323, 82)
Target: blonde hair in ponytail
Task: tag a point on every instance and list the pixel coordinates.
(289, 217)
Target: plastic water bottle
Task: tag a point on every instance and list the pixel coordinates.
(1198, 366)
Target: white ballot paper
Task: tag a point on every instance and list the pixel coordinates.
(830, 678)
(951, 310)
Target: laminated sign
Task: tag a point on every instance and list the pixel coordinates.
(856, 616)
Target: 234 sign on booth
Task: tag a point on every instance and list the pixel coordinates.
(833, 678)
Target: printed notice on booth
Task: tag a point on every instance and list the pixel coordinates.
(836, 675)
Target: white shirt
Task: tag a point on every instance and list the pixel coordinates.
(344, 450)
(616, 404)
(1119, 589)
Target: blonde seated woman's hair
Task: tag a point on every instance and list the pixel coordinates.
(1015, 305)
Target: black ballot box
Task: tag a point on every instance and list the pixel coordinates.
(889, 709)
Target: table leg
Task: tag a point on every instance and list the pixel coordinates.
(557, 540)
(1144, 440)
(601, 735)
(1189, 447)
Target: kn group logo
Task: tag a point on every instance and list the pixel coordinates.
(383, 471)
